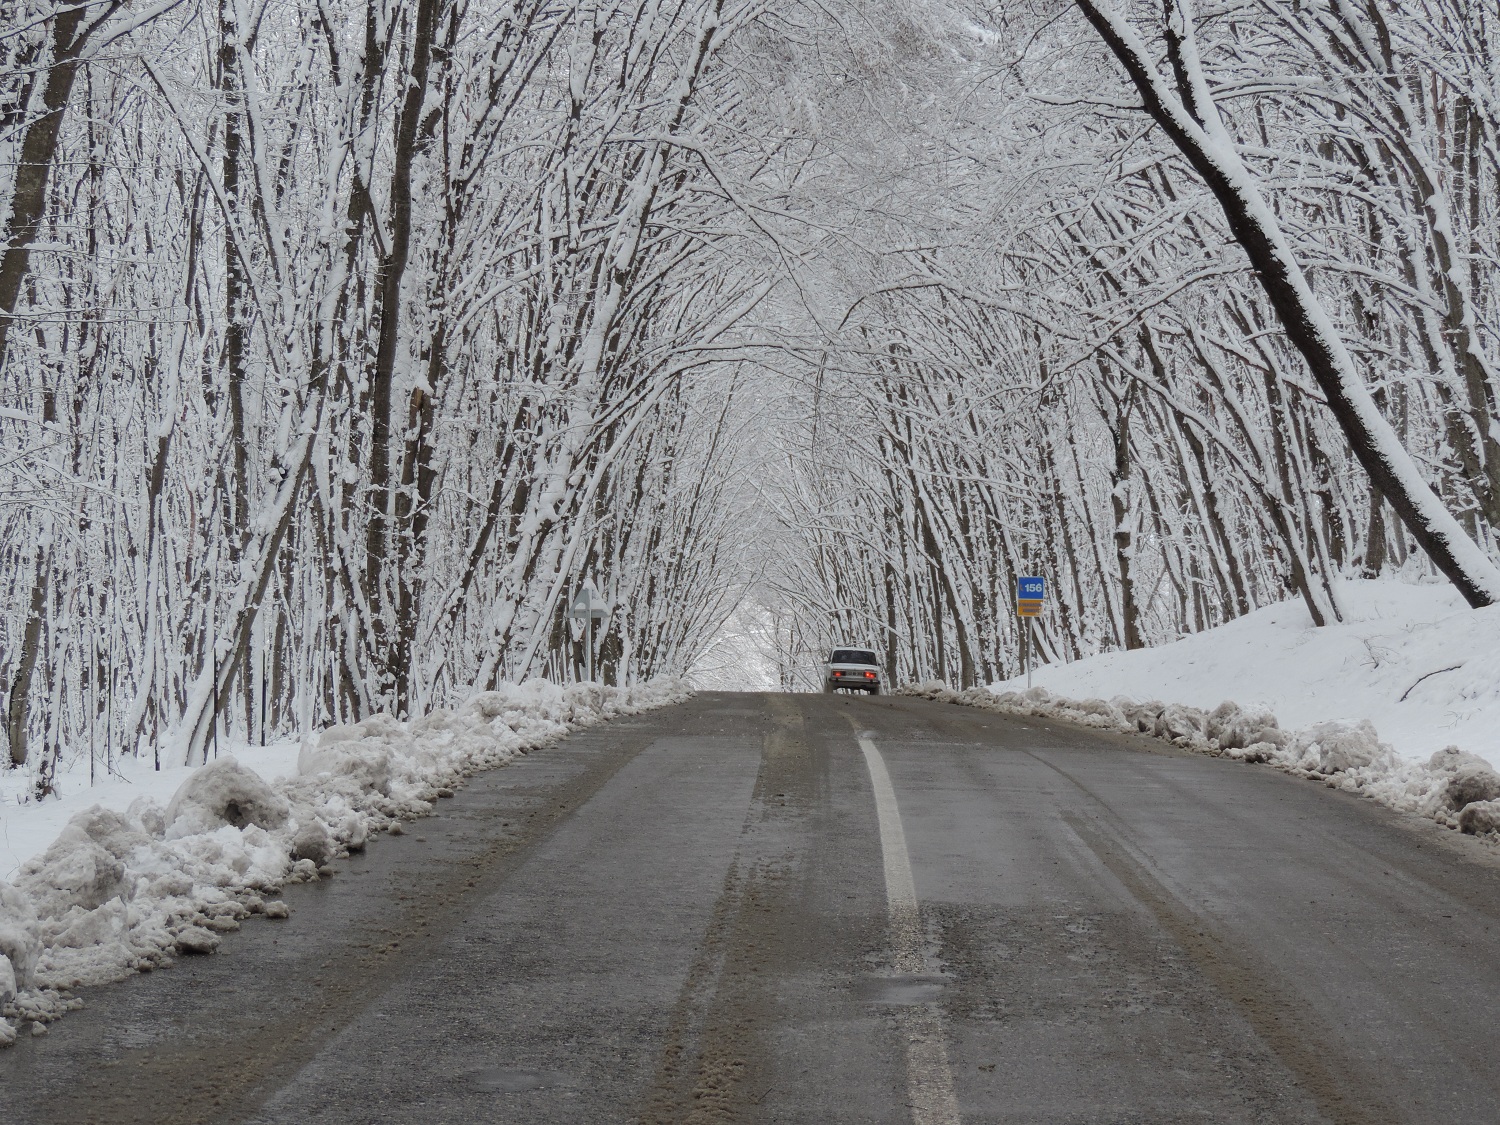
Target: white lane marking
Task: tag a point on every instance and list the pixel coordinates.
(900, 887)
(929, 1078)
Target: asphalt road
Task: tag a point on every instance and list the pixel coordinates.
(770, 908)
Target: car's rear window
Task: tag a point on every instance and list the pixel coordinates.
(852, 656)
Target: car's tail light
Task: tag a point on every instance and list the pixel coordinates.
(869, 675)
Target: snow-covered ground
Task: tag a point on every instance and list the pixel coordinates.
(1415, 661)
(127, 873)
(1399, 703)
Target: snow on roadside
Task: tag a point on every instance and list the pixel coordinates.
(1412, 660)
(125, 876)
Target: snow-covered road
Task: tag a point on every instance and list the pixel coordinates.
(696, 914)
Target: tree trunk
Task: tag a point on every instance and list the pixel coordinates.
(38, 149)
(20, 687)
(1130, 610)
(1375, 551)
(395, 672)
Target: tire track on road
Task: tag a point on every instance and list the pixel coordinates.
(1288, 1026)
(714, 1042)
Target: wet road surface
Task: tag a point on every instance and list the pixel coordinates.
(770, 908)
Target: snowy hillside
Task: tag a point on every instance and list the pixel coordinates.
(1414, 660)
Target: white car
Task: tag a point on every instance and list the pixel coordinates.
(852, 669)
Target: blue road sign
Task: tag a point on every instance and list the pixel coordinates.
(1030, 589)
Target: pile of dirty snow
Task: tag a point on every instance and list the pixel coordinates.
(131, 882)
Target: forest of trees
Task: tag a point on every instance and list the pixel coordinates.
(341, 341)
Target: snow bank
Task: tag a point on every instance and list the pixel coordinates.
(118, 891)
(1412, 659)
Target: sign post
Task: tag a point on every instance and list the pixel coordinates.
(1030, 593)
(588, 607)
